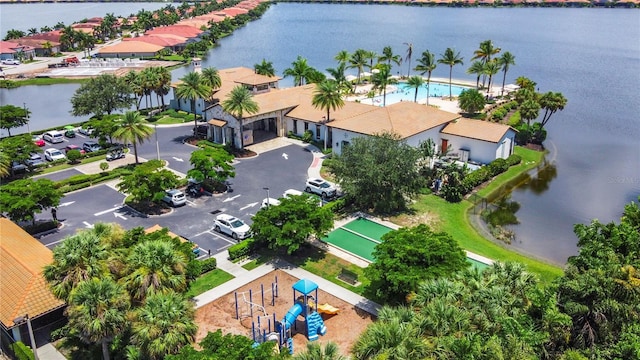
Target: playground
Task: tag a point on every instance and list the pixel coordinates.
(268, 308)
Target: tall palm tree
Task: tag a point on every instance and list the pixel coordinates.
(371, 55)
(133, 131)
(192, 88)
(491, 68)
(340, 77)
(506, 60)
(415, 82)
(477, 67)
(164, 83)
(77, 259)
(382, 79)
(426, 64)
(315, 351)
(389, 57)
(484, 53)
(551, 102)
(133, 78)
(408, 57)
(240, 102)
(155, 267)
(98, 311)
(211, 78)
(358, 60)
(163, 325)
(47, 47)
(265, 68)
(327, 96)
(452, 59)
(342, 56)
(299, 70)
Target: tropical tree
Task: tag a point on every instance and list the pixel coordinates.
(415, 82)
(21, 199)
(371, 56)
(13, 117)
(228, 346)
(134, 79)
(315, 351)
(289, 225)
(478, 68)
(389, 57)
(381, 79)
(97, 311)
(192, 88)
(133, 131)
(47, 48)
(339, 76)
(265, 68)
(163, 325)
(326, 96)
(551, 102)
(506, 61)
(529, 110)
(491, 68)
(408, 57)
(32, 31)
(451, 58)
(45, 29)
(407, 256)
(342, 57)
(299, 70)
(155, 267)
(14, 34)
(211, 78)
(101, 95)
(148, 182)
(240, 102)
(471, 101)
(358, 60)
(426, 65)
(5, 164)
(211, 163)
(77, 259)
(484, 53)
(378, 172)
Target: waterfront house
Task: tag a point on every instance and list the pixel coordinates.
(130, 49)
(16, 50)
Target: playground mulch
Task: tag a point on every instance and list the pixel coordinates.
(342, 328)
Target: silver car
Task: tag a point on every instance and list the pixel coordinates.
(232, 226)
(174, 197)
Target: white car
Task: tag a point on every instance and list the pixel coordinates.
(266, 202)
(232, 226)
(54, 154)
(10, 62)
(320, 187)
(174, 197)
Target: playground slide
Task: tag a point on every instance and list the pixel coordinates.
(291, 315)
(327, 309)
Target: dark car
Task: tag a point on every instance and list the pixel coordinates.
(91, 146)
(70, 133)
(34, 160)
(18, 167)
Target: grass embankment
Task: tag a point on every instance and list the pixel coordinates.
(207, 282)
(454, 220)
(9, 84)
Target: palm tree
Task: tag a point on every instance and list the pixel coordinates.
(163, 84)
(506, 60)
(45, 29)
(415, 82)
(426, 64)
(47, 48)
(408, 58)
(265, 68)
(133, 78)
(450, 58)
(551, 102)
(342, 56)
(339, 76)
(211, 78)
(327, 96)
(240, 102)
(133, 131)
(192, 88)
(371, 55)
(163, 325)
(389, 57)
(98, 311)
(382, 79)
(300, 70)
(484, 53)
(529, 110)
(155, 267)
(5, 164)
(491, 68)
(477, 67)
(32, 31)
(77, 259)
(358, 60)
(314, 351)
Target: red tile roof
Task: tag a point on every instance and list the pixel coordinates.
(23, 289)
(181, 30)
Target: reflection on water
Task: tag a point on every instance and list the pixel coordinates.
(539, 183)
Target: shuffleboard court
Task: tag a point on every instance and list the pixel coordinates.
(368, 228)
(351, 243)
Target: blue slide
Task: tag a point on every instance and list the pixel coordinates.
(291, 315)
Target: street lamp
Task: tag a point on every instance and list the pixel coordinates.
(19, 321)
(155, 126)
(26, 114)
(268, 199)
(325, 121)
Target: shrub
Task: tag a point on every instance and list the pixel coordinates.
(194, 269)
(241, 249)
(104, 166)
(307, 136)
(497, 166)
(59, 333)
(208, 264)
(22, 351)
(514, 159)
(40, 227)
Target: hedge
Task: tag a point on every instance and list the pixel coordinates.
(496, 167)
(22, 351)
(208, 264)
(241, 249)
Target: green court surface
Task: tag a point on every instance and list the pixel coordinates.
(351, 243)
(477, 264)
(368, 228)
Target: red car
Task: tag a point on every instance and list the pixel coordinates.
(38, 140)
(74, 147)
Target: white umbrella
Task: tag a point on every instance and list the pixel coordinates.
(350, 77)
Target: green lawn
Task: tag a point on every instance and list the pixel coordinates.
(207, 282)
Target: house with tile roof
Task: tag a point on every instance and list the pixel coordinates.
(16, 50)
(290, 110)
(130, 49)
(23, 289)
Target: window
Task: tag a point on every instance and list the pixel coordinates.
(317, 131)
(306, 126)
(295, 126)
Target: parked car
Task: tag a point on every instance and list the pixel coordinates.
(11, 62)
(34, 160)
(266, 202)
(320, 187)
(74, 147)
(18, 167)
(70, 133)
(174, 197)
(115, 153)
(37, 139)
(53, 137)
(91, 146)
(232, 226)
(292, 192)
(86, 131)
(53, 154)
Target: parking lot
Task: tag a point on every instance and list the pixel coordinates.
(278, 170)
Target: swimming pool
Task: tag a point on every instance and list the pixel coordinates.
(407, 93)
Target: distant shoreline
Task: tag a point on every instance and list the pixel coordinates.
(628, 4)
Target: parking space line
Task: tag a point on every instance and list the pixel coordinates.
(107, 211)
(56, 242)
(223, 248)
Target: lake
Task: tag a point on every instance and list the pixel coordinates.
(592, 56)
